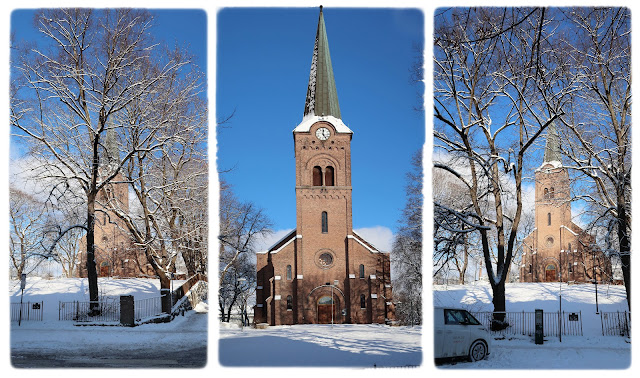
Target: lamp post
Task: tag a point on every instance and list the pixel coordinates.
(595, 279)
(535, 266)
(560, 297)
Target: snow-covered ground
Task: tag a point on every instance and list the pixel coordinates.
(353, 346)
(62, 343)
(321, 345)
(591, 351)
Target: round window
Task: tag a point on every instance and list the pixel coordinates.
(325, 260)
(549, 241)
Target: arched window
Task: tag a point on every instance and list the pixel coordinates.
(317, 176)
(551, 192)
(328, 176)
(363, 301)
(548, 219)
(289, 272)
(289, 303)
(325, 222)
(546, 193)
(570, 248)
(530, 268)
(361, 271)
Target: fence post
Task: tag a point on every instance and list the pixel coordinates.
(580, 312)
(602, 324)
(626, 323)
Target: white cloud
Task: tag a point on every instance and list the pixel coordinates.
(381, 237)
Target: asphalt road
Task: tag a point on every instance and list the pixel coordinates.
(181, 345)
(189, 358)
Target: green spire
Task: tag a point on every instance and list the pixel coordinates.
(111, 145)
(552, 148)
(322, 97)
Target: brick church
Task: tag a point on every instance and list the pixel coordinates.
(323, 272)
(557, 249)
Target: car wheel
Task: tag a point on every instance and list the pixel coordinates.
(478, 351)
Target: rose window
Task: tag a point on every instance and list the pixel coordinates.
(325, 260)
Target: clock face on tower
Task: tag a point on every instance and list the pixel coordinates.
(323, 133)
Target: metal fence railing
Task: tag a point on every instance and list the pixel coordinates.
(27, 311)
(108, 310)
(616, 323)
(523, 323)
(148, 307)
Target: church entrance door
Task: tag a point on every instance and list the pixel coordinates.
(325, 305)
(104, 269)
(550, 273)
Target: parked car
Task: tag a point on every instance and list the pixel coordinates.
(457, 333)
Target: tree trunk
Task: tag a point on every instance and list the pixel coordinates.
(499, 305)
(463, 271)
(221, 311)
(92, 275)
(625, 247)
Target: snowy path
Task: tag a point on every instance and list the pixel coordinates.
(351, 345)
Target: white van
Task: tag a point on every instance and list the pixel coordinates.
(458, 334)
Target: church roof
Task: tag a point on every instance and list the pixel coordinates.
(552, 148)
(322, 97)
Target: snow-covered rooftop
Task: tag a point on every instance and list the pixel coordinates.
(309, 120)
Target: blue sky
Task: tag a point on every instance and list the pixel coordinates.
(263, 63)
(185, 27)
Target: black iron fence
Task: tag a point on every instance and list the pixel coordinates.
(148, 307)
(27, 311)
(615, 323)
(523, 323)
(107, 310)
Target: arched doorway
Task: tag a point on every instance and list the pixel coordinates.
(550, 274)
(105, 269)
(326, 306)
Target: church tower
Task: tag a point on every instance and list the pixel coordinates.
(557, 249)
(323, 272)
(552, 194)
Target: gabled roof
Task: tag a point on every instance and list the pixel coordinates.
(285, 240)
(365, 243)
(322, 97)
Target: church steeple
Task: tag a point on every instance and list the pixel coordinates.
(112, 155)
(322, 97)
(552, 147)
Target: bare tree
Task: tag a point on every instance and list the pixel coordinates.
(27, 218)
(241, 225)
(167, 172)
(598, 126)
(406, 254)
(91, 73)
(238, 285)
(451, 236)
(83, 76)
(495, 93)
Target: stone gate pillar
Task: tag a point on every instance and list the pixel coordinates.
(127, 310)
